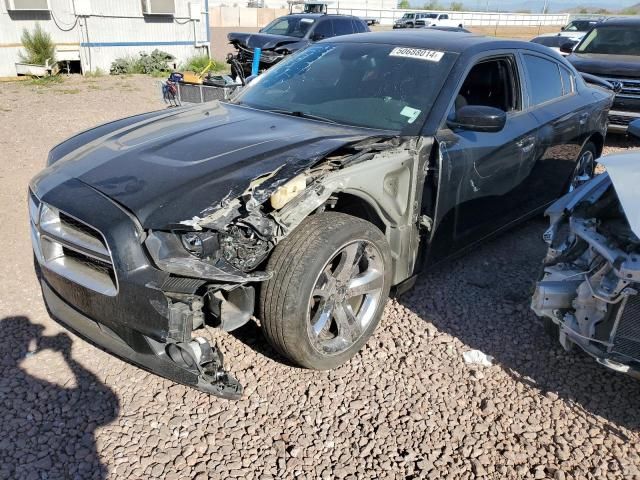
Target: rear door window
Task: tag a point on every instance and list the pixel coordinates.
(323, 30)
(568, 81)
(545, 82)
(359, 27)
(342, 26)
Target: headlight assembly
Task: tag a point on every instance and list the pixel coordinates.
(200, 244)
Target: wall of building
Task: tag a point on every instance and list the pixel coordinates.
(99, 31)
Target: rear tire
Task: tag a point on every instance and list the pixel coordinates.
(311, 308)
(585, 166)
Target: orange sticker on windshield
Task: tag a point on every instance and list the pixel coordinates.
(419, 53)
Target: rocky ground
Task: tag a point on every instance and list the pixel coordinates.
(406, 407)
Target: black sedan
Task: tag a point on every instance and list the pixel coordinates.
(332, 180)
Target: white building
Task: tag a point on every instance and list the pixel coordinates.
(96, 32)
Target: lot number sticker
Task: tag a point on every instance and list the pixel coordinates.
(419, 53)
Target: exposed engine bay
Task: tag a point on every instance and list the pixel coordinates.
(589, 293)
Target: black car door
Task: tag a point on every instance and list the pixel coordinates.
(484, 173)
(562, 115)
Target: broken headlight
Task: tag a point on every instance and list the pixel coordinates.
(200, 244)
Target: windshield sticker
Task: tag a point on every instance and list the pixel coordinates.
(410, 113)
(419, 53)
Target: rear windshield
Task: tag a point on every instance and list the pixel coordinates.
(361, 84)
(554, 41)
(613, 40)
(289, 26)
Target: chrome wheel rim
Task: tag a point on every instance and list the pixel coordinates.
(584, 171)
(345, 297)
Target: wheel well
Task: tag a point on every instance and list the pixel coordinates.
(598, 140)
(356, 206)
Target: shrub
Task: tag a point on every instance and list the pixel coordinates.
(156, 62)
(147, 64)
(38, 45)
(199, 62)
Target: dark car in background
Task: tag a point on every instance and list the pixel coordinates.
(611, 51)
(286, 35)
(304, 210)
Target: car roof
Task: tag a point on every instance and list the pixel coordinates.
(620, 21)
(456, 42)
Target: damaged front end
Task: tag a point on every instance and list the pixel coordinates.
(589, 293)
(272, 50)
(214, 260)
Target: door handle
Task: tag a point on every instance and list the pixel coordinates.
(526, 144)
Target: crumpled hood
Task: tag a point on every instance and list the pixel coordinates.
(264, 41)
(606, 65)
(176, 164)
(624, 171)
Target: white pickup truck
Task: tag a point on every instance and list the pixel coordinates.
(437, 20)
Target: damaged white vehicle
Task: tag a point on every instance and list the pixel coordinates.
(589, 293)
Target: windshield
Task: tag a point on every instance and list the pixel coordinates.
(368, 85)
(612, 41)
(289, 26)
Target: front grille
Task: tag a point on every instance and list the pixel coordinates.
(630, 87)
(71, 248)
(626, 336)
(620, 120)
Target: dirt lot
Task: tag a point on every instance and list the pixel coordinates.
(406, 407)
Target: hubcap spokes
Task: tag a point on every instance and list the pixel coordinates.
(345, 297)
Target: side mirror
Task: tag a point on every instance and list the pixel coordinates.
(567, 47)
(634, 128)
(562, 29)
(478, 118)
(316, 37)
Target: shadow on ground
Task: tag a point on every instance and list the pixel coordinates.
(47, 430)
(483, 300)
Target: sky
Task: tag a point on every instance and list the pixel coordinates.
(537, 5)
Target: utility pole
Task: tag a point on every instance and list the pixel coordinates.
(546, 6)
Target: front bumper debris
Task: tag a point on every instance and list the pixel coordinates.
(205, 374)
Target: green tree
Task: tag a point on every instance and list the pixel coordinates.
(38, 46)
(457, 7)
(404, 4)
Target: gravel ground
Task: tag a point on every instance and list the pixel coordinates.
(406, 407)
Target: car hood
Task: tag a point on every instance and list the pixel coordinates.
(624, 171)
(606, 65)
(182, 163)
(263, 40)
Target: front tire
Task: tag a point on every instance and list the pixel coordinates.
(331, 279)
